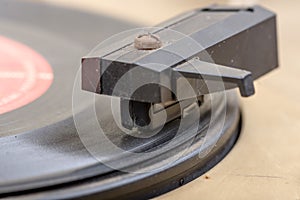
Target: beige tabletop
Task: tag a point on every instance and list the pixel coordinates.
(265, 163)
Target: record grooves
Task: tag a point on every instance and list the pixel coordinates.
(41, 154)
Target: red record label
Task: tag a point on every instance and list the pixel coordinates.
(24, 75)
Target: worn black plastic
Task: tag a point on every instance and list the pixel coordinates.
(241, 44)
(221, 48)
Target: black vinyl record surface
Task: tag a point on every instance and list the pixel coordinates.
(39, 139)
(41, 153)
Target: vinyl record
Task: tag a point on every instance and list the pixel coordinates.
(36, 136)
(41, 152)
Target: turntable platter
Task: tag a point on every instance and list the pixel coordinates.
(41, 153)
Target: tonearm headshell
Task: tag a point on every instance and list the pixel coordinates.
(218, 46)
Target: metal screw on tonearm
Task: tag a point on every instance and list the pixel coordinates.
(242, 42)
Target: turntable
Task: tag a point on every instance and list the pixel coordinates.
(93, 107)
